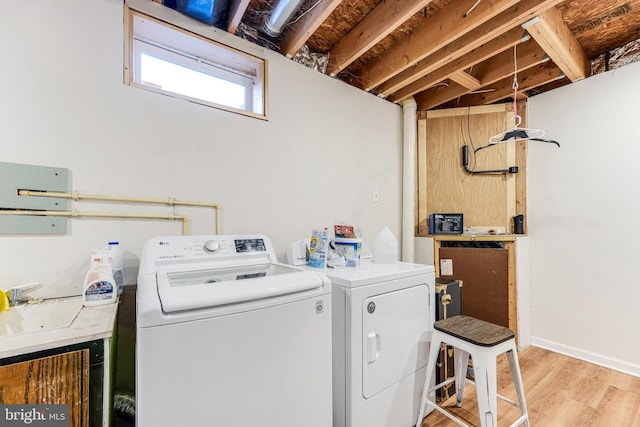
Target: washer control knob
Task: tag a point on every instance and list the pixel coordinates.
(211, 247)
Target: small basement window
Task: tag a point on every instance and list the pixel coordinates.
(169, 60)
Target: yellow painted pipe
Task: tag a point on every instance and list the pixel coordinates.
(169, 202)
(76, 214)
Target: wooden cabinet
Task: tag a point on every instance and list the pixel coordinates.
(58, 379)
(73, 375)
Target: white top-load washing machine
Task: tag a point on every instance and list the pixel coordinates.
(383, 317)
(227, 336)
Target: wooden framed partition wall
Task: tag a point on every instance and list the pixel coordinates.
(445, 186)
(484, 257)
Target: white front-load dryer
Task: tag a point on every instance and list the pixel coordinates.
(382, 321)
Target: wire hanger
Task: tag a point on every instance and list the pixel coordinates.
(517, 133)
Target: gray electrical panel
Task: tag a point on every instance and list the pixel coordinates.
(15, 177)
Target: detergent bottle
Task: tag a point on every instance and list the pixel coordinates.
(99, 285)
(117, 264)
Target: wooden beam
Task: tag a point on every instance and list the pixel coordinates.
(509, 19)
(553, 35)
(495, 69)
(465, 80)
(237, 8)
(484, 52)
(306, 26)
(528, 55)
(379, 23)
(530, 79)
(445, 26)
(442, 93)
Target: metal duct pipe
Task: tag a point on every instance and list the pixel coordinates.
(280, 16)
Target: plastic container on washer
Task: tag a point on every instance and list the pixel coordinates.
(349, 249)
(386, 247)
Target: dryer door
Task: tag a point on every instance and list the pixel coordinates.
(395, 329)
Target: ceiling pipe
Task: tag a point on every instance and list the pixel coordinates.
(275, 22)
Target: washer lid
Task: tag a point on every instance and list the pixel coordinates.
(182, 289)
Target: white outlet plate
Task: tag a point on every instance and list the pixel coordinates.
(446, 267)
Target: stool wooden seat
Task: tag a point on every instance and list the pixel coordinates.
(483, 342)
(475, 331)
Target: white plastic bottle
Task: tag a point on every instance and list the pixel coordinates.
(117, 266)
(386, 247)
(99, 285)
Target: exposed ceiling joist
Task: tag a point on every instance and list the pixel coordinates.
(482, 53)
(529, 79)
(509, 19)
(441, 93)
(444, 52)
(553, 35)
(528, 55)
(466, 80)
(498, 68)
(379, 23)
(304, 28)
(444, 27)
(237, 8)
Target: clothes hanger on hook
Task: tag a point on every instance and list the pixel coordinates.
(513, 135)
(517, 133)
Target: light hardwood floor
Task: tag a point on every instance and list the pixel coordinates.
(560, 391)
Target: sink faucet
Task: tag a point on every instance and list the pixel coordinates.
(15, 293)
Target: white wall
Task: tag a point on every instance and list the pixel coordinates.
(583, 205)
(316, 161)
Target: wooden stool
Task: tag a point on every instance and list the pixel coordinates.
(482, 341)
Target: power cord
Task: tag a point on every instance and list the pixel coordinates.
(465, 156)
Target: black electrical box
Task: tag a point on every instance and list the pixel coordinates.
(446, 223)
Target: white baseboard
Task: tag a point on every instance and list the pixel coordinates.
(598, 359)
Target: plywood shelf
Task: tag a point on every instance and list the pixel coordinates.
(475, 237)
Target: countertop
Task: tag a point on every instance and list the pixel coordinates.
(90, 324)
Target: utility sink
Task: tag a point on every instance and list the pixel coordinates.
(40, 316)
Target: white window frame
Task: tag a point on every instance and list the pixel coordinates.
(167, 42)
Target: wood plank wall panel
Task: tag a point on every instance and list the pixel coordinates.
(482, 198)
(59, 379)
(521, 177)
(422, 226)
(485, 200)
